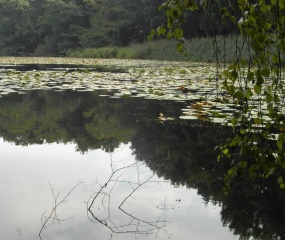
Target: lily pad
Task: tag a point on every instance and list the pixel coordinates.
(188, 117)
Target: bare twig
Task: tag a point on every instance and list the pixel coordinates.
(53, 213)
(135, 225)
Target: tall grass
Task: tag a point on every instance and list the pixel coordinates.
(221, 48)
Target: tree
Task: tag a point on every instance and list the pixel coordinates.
(255, 84)
(112, 23)
(17, 29)
(60, 26)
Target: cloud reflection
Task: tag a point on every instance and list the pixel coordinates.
(25, 196)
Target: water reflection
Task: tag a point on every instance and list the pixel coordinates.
(64, 138)
(26, 196)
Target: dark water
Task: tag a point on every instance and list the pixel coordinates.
(113, 171)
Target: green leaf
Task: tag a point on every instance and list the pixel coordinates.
(265, 72)
(178, 33)
(238, 95)
(257, 121)
(243, 164)
(151, 35)
(234, 121)
(260, 80)
(169, 35)
(269, 97)
(179, 47)
(224, 11)
(280, 141)
(231, 89)
(225, 151)
(234, 74)
(242, 131)
(267, 24)
(264, 8)
(280, 180)
(231, 171)
(250, 76)
(193, 6)
(276, 97)
(257, 88)
(247, 93)
(161, 30)
(253, 170)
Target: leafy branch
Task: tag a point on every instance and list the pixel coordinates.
(254, 85)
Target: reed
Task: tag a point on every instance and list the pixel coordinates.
(221, 48)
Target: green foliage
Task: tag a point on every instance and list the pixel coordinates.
(260, 80)
(49, 27)
(60, 26)
(17, 27)
(255, 84)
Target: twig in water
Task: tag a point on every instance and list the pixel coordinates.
(134, 224)
(53, 214)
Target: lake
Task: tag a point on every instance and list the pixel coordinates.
(80, 161)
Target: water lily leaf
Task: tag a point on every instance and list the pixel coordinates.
(188, 117)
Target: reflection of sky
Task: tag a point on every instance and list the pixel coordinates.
(25, 195)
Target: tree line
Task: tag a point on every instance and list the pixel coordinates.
(54, 27)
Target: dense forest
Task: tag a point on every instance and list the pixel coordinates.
(55, 27)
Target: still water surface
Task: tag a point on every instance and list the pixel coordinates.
(134, 178)
(25, 196)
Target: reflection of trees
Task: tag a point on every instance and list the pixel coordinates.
(249, 210)
(189, 149)
(255, 211)
(84, 118)
(92, 122)
(185, 148)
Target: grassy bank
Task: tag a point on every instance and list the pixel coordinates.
(199, 49)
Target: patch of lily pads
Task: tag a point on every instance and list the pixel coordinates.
(193, 83)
